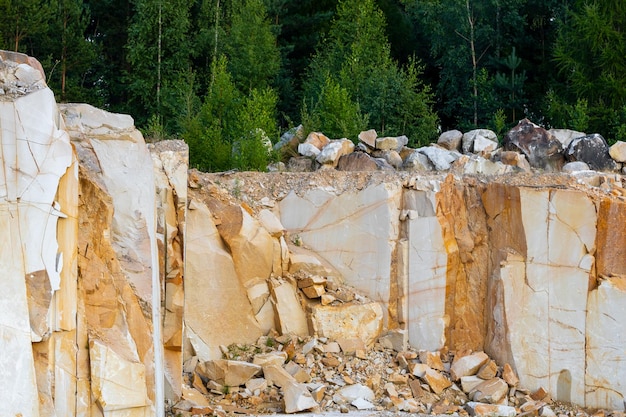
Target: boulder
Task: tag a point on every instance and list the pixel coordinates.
(515, 159)
(308, 150)
(230, 373)
(565, 136)
(362, 321)
(618, 151)
(542, 150)
(387, 143)
(368, 138)
(417, 162)
(575, 166)
(484, 145)
(436, 380)
(290, 140)
(467, 365)
(301, 163)
(317, 139)
(441, 158)
(451, 140)
(395, 339)
(334, 150)
(470, 137)
(356, 161)
(393, 158)
(592, 150)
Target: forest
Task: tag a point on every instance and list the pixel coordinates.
(228, 76)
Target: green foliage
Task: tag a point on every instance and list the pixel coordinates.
(590, 52)
(564, 115)
(22, 21)
(158, 54)
(334, 113)
(253, 57)
(512, 85)
(357, 50)
(232, 129)
(498, 123)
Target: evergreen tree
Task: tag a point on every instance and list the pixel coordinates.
(253, 56)
(23, 23)
(158, 53)
(67, 54)
(358, 51)
(590, 52)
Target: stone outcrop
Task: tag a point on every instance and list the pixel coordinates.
(129, 280)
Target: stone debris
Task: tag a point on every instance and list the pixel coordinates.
(297, 374)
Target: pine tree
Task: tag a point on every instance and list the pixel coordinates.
(158, 53)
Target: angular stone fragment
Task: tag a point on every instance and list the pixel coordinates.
(350, 393)
(467, 365)
(395, 339)
(437, 381)
(290, 316)
(357, 321)
(483, 144)
(509, 375)
(314, 291)
(317, 139)
(451, 140)
(481, 134)
(230, 373)
(565, 136)
(477, 409)
(491, 391)
(468, 383)
(277, 358)
(308, 150)
(488, 370)
(432, 359)
(271, 223)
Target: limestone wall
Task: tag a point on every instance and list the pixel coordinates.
(529, 270)
(119, 265)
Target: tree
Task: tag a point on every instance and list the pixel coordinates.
(358, 51)
(589, 52)
(22, 20)
(253, 57)
(158, 54)
(68, 55)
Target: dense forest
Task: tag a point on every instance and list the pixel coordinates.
(229, 75)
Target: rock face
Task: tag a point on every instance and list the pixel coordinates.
(101, 231)
(38, 238)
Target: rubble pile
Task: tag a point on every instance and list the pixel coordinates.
(289, 374)
(525, 148)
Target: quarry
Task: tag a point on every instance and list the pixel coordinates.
(469, 284)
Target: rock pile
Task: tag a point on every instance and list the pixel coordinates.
(524, 148)
(289, 374)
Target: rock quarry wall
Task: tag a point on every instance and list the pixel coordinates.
(119, 265)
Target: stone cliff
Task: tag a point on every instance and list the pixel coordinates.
(124, 273)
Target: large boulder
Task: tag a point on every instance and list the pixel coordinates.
(451, 140)
(481, 135)
(541, 148)
(356, 161)
(592, 150)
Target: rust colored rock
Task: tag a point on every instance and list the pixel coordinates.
(542, 149)
(611, 240)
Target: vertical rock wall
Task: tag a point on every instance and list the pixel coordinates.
(38, 301)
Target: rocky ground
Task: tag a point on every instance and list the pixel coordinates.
(319, 376)
(281, 374)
